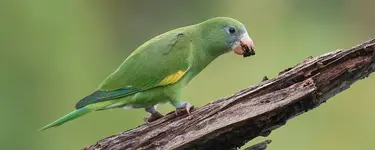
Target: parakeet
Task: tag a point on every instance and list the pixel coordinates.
(157, 71)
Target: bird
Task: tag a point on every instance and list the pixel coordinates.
(158, 70)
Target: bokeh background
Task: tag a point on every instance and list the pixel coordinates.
(53, 53)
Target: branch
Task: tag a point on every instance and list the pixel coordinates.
(259, 146)
(233, 121)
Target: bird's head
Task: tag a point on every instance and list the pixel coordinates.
(225, 34)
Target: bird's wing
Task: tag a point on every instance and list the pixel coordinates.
(159, 62)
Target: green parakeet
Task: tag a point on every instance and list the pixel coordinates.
(157, 71)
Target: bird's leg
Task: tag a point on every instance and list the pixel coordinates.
(155, 115)
(182, 108)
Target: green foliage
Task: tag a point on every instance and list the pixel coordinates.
(53, 53)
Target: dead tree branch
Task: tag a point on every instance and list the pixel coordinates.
(230, 122)
(259, 146)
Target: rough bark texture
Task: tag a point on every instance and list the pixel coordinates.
(231, 122)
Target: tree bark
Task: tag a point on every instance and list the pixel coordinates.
(259, 146)
(231, 122)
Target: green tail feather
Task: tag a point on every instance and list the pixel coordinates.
(73, 115)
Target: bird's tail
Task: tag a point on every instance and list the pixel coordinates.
(73, 115)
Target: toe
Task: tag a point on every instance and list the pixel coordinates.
(186, 107)
(146, 119)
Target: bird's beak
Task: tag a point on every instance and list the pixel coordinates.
(244, 47)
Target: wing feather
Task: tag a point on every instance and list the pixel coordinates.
(159, 62)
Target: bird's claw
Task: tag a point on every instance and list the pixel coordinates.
(186, 107)
(155, 116)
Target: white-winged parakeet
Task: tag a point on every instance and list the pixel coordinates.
(157, 71)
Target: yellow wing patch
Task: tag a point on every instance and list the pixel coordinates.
(173, 78)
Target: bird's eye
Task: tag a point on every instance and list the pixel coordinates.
(232, 30)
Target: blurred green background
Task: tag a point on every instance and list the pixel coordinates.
(53, 53)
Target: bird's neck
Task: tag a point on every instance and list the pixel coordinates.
(199, 60)
(199, 56)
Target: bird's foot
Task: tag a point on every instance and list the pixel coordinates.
(154, 116)
(185, 108)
